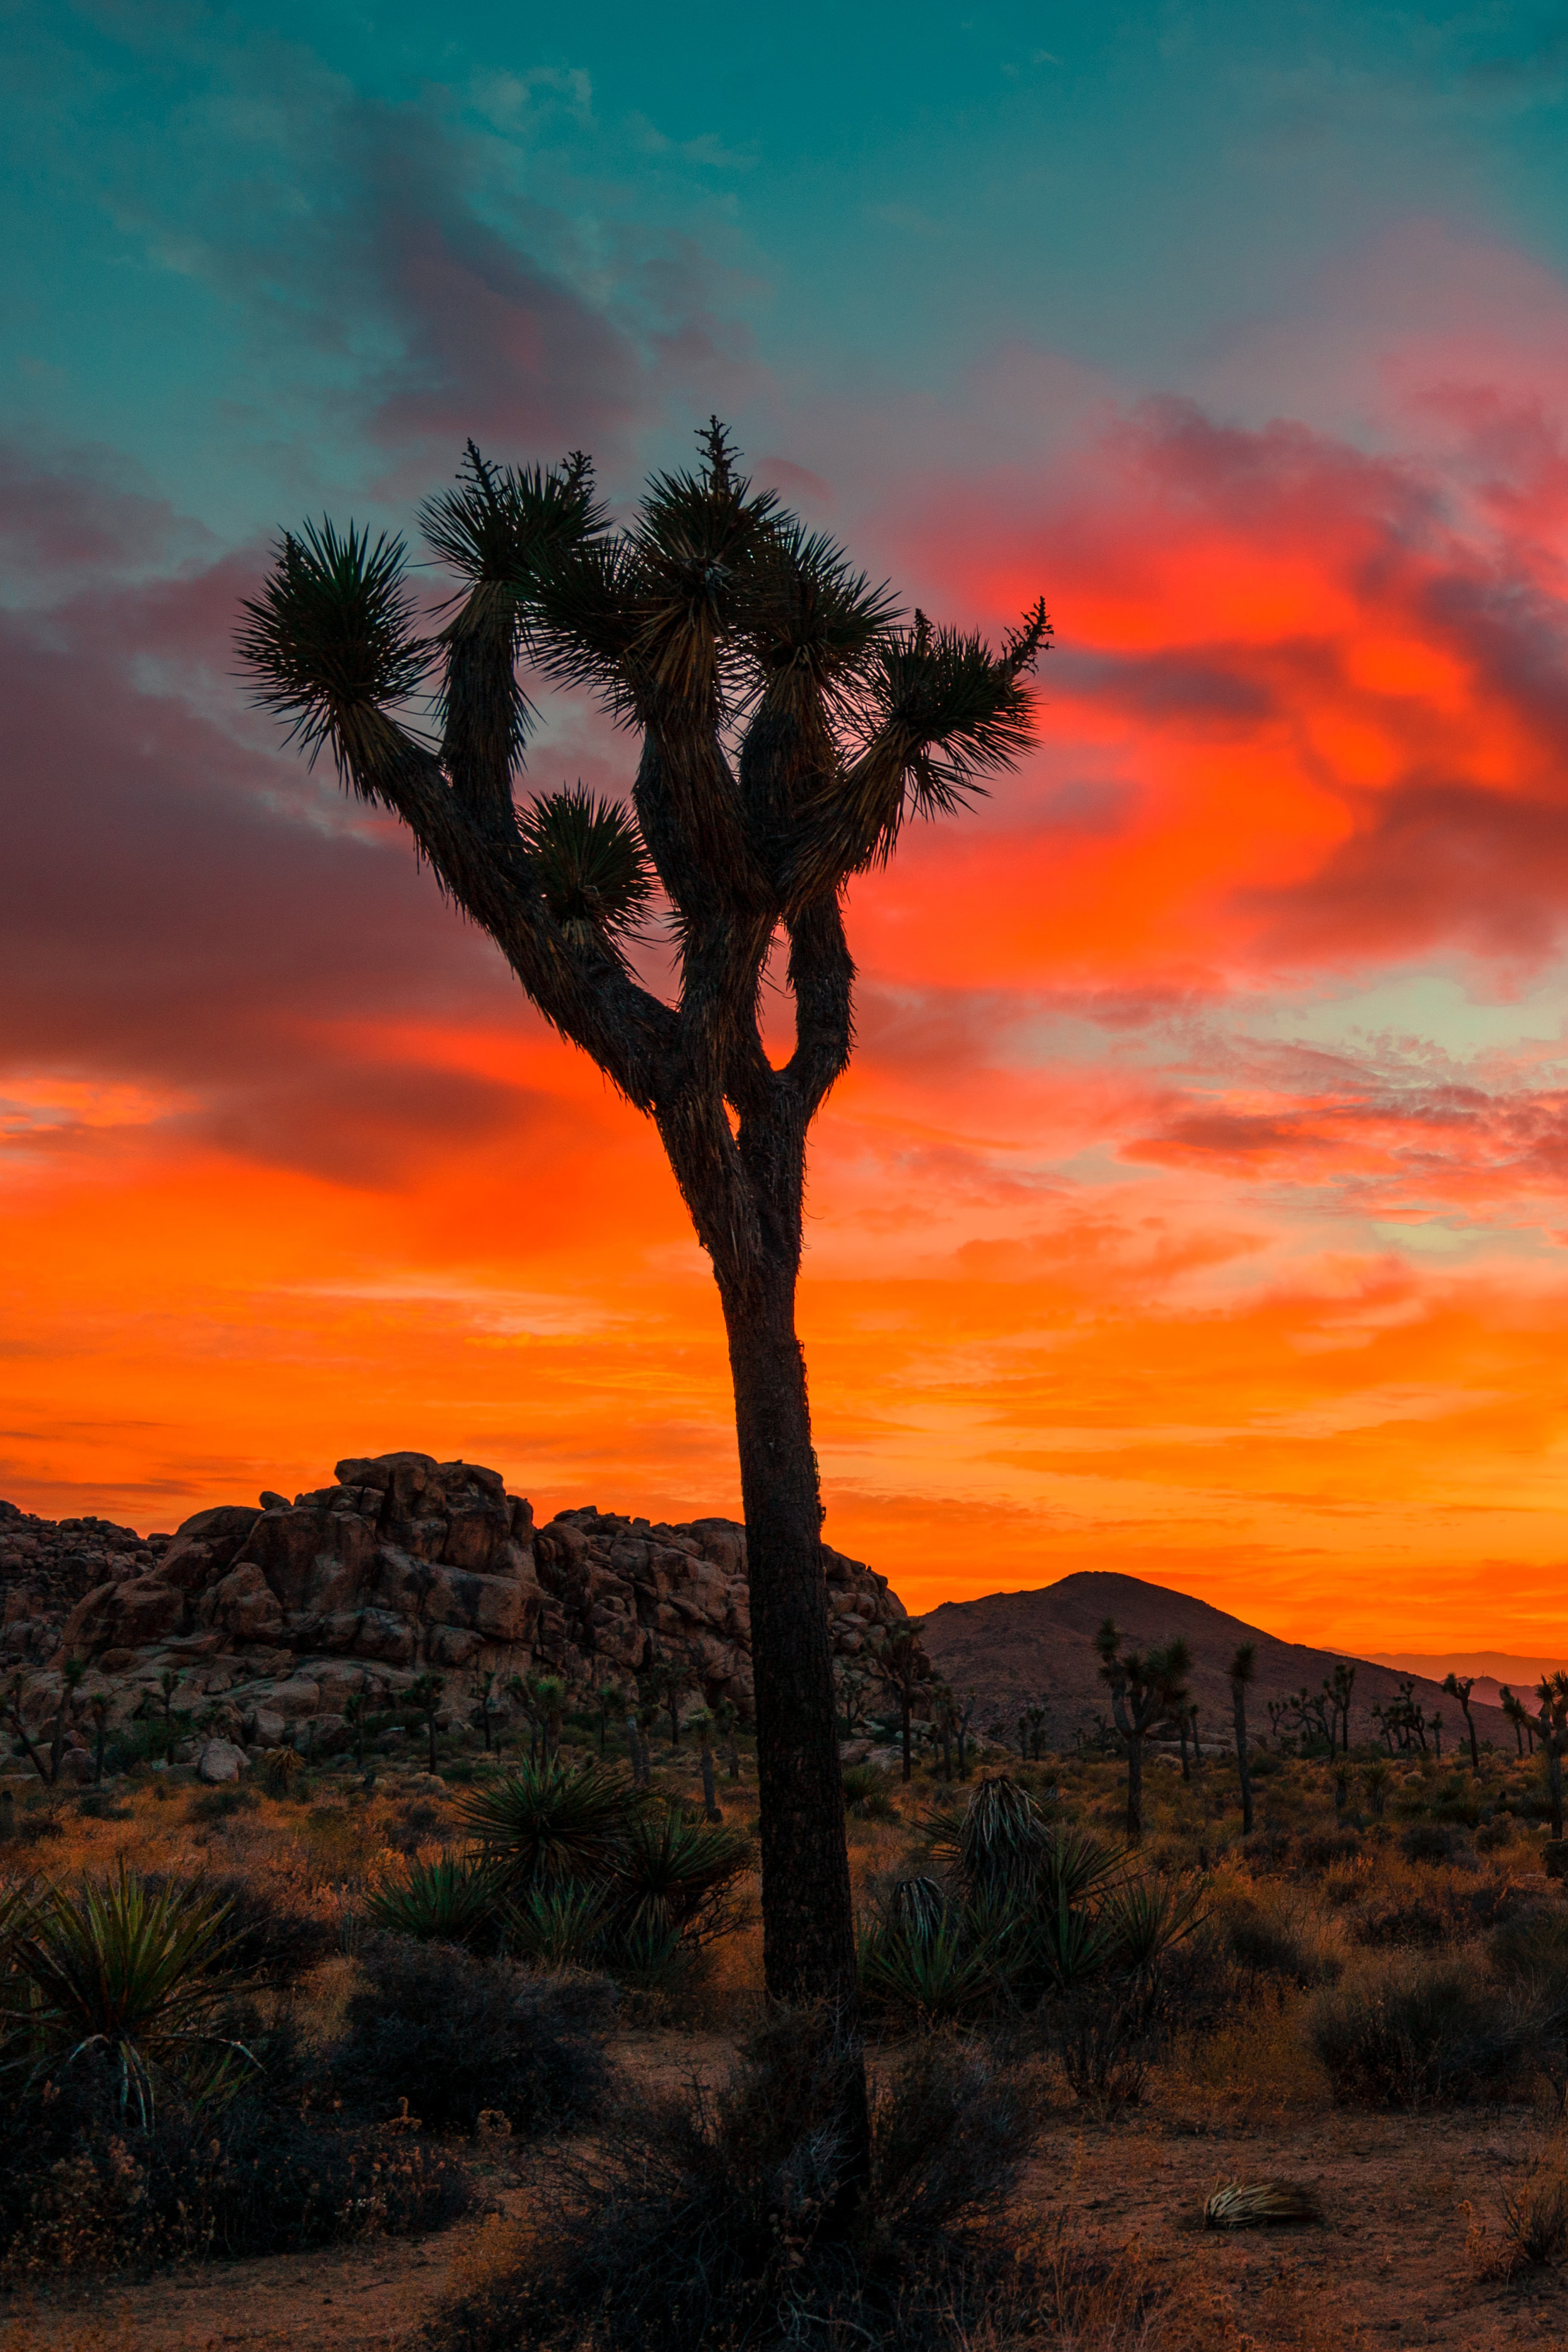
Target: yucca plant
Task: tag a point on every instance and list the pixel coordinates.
(130, 1971)
(559, 1926)
(994, 1844)
(456, 1899)
(1143, 1917)
(672, 1873)
(931, 1973)
(550, 1823)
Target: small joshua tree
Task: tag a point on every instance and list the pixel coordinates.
(98, 1707)
(1146, 1688)
(1552, 1726)
(701, 1724)
(424, 1700)
(726, 1724)
(1243, 1671)
(899, 1662)
(1459, 1686)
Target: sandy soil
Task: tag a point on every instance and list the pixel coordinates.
(1388, 2265)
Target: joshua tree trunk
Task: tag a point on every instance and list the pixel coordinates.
(710, 1793)
(1135, 1785)
(1239, 1703)
(808, 1940)
(1181, 1736)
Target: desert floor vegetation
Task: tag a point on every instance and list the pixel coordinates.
(482, 2058)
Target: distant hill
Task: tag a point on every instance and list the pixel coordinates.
(1017, 1647)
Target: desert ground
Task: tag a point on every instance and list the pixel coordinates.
(1410, 2174)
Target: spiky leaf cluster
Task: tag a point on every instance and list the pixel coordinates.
(332, 639)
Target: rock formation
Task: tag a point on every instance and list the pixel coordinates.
(278, 1614)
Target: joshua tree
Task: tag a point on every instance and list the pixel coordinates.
(485, 1708)
(72, 1676)
(665, 1685)
(789, 727)
(548, 1694)
(726, 1724)
(961, 1722)
(18, 1724)
(607, 1697)
(1459, 1686)
(702, 1725)
(1551, 1724)
(944, 1721)
(899, 1662)
(424, 1698)
(1374, 1778)
(1243, 1671)
(1343, 1685)
(355, 1712)
(97, 1708)
(1519, 1715)
(1145, 1689)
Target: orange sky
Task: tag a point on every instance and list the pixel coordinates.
(1194, 1207)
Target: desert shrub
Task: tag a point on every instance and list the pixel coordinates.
(265, 1937)
(222, 1804)
(1493, 1836)
(726, 2217)
(1530, 1950)
(85, 2188)
(546, 1824)
(445, 2035)
(35, 1827)
(1264, 1940)
(1322, 1850)
(1403, 1915)
(1426, 1841)
(1535, 2212)
(867, 1793)
(1418, 2030)
(420, 1821)
(102, 1805)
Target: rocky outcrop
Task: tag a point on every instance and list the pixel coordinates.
(279, 1613)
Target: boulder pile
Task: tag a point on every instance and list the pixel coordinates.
(271, 1617)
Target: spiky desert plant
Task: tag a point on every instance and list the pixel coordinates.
(549, 1824)
(930, 1976)
(559, 1926)
(790, 725)
(1258, 2204)
(130, 1971)
(593, 872)
(1145, 1917)
(675, 1875)
(454, 1899)
(995, 1843)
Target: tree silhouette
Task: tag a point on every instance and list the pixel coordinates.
(790, 725)
(1459, 1686)
(1243, 1668)
(899, 1663)
(1551, 1722)
(1145, 1689)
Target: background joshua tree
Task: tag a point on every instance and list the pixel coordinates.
(1243, 1667)
(1459, 1686)
(1552, 1726)
(899, 1664)
(1146, 1688)
(1518, 1713)
(789, 726)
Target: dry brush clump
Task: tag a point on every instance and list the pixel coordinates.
(735, 2216)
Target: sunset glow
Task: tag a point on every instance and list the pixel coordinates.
(1196, 1207)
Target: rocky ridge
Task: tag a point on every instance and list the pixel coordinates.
(273, 1615)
